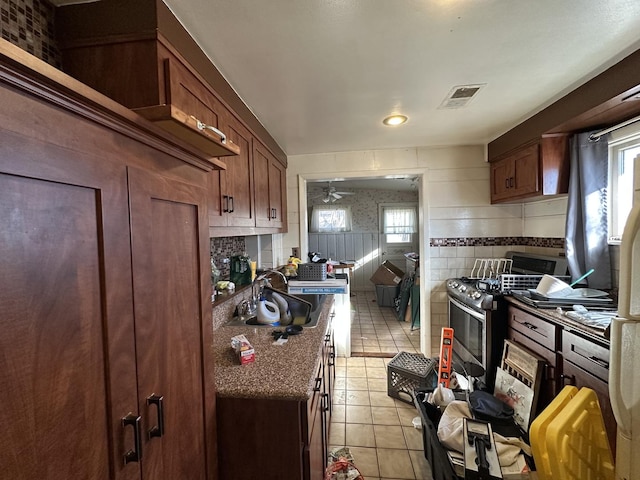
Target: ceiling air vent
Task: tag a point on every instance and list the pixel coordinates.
(460, 95)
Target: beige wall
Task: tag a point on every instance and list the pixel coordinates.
(454, 201)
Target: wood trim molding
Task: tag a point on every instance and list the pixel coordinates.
(596, 103)
(27, 73)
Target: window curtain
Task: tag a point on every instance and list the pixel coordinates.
(586, 224)
(330, 218)
(399, 220)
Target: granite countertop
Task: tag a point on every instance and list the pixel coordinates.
(554, 316)
(285, 372)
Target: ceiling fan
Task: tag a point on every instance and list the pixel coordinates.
(330, 194)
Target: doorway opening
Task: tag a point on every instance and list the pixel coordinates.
(374, 327)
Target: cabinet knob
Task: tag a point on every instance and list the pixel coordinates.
(136, 454)
(318, 384)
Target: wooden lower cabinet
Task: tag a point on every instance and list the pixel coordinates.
(272, 439)
(571, 358)
(104, 292)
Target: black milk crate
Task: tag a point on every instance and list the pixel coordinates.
(408, 371)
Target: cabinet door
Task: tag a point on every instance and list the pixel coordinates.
(525, 171)
(516, 175)
(277, 193)
(239, 174)
(574, 375)
(67, 362)
(316, 445)
(170, 284)
(218, 199)
(501, 176)
(270, 185)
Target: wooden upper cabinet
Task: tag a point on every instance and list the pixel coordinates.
(150, 77)
(270, 189)
(231, 200)
(537, 168)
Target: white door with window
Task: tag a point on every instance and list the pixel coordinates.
(398, 232)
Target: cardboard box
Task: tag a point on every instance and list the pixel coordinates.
(244, 349)
(387, 274)
(386, 294)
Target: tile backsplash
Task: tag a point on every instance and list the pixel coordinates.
(223, 248)
(29, 24)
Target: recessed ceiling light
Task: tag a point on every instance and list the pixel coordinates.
(393, 120)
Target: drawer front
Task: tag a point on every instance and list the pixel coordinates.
(533, 327)
(590, 356)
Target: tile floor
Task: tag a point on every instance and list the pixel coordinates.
(377, 428)
(377, 331)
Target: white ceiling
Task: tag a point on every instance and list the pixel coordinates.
(321, 74)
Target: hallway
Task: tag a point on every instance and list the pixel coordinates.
(376, 331)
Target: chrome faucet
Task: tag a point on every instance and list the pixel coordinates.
(267, 273)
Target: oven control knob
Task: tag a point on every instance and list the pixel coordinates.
(462, 288)
(453, 284)
(476, 295)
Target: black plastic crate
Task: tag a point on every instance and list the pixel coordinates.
(407, 372)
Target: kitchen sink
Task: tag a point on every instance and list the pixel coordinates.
(307, 306)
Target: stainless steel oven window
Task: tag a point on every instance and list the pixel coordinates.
(469, 332)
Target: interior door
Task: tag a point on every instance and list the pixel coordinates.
(170, 282)
(65, 314)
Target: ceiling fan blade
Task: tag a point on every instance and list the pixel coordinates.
(336, 195)
(345, 193)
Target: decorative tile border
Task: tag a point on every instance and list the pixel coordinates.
(29, 25)
(497, 241)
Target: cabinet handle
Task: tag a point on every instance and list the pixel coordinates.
(225, 209)
(599, 361)
(564, 378)
(506, 183)
(511, 182)
(548, 372)
(231, 201)
(530, 326)
(332, 356)
(158, 401)
(327, 338)
(325, 402)
(318, 384)
(136, 454)
(203, 126)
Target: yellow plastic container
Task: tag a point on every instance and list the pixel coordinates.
(569, 440)
(538, 431)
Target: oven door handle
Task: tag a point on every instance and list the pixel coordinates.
(468, 310)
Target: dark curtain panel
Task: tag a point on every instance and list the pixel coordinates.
(586, 229)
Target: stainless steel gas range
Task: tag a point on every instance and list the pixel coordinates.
(478, 312)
